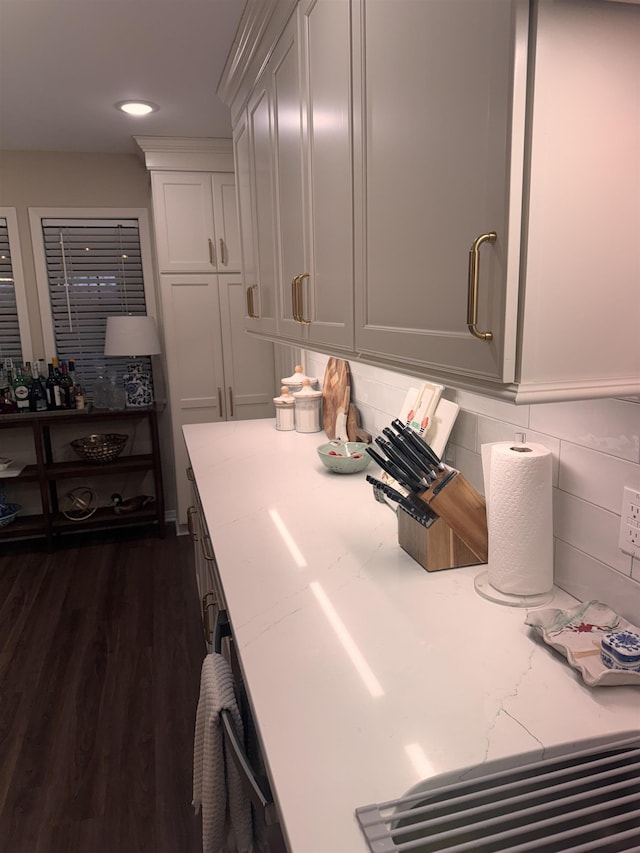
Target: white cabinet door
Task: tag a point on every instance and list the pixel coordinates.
(196, 222)
(435, 170)
(310, 78)
(244, 190)
(326, 72)
(225, 214)
(193, 347)
(248, 361)
(258, 138)
(284, 76)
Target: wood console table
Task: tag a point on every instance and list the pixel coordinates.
(47, 473)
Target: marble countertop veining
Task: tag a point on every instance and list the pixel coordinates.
(367, 674)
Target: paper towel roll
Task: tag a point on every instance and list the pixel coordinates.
(518, 493)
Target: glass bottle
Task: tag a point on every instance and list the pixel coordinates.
(53, 390)
(37, 396)
(7, 404)
(67, 399)
(78, 393)
(21, 391)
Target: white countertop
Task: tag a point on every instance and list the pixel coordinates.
(366, 673)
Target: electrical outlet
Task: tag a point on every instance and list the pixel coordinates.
(629, 540)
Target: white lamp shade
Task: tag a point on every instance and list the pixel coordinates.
(131, 336)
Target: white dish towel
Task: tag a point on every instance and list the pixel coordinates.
(217, 786)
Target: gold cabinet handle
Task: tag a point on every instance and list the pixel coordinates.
(206, 605)
(212, 252)
(301, 318)
(220, 404)
(472, 296)
(295, 311)
(190, 475)
(251, 308)
(222, 252)
(190, 513)
(207, 552)
(230, 401)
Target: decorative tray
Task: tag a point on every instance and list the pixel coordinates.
(577, 633)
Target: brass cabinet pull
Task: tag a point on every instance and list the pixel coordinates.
(251, 308)
(472, 296)
(295, 311)
(231, 400)
(207, 552)
(222, 252)
(220, 404)
(301, 318)
(212, 253)
(190, 513)
(190, 474)
(208, 628)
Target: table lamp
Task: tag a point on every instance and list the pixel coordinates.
(133, 337)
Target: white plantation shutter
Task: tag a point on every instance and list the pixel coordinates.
(10, 342)
(94, 270)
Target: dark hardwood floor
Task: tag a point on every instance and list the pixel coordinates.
(100, 655)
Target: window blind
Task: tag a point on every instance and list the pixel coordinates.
(10, 346)
(94, 270)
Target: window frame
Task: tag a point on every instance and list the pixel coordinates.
(22, 310)
(37, 214)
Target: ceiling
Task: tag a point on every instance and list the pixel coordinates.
(64, 63)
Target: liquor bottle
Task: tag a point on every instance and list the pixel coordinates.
(53, 390)
(78, 393)
(66, 388)
(37, 396)
(7, 403)
(21, 391)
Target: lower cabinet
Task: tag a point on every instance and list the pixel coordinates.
(216, 372)
(244, 750)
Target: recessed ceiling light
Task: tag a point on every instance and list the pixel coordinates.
(137, 108)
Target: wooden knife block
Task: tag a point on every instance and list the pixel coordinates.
(458, 537)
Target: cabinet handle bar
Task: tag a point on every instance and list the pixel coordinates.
(472, 296)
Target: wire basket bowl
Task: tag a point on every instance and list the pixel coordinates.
(104, 447)
(8, 513)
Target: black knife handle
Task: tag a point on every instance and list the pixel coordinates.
(391, 469)
(418, 444)
(402, 464)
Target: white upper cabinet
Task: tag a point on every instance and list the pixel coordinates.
(455, 187)
(196, 220)
(434, 161)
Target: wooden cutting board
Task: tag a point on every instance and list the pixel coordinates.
(336, 395)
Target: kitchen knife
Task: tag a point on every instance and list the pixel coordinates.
(422, 514)
(394, 471)
(420, 446)
(404, 448)
(410, 470)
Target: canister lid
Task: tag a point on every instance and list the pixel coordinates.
(285, 398)
(297, 378)
(306, 392)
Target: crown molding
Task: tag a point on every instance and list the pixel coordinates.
(260, 26)
(186, 154)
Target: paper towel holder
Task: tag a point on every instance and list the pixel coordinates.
(481, 582)
(486, 590)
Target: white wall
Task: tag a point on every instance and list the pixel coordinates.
(596, 449)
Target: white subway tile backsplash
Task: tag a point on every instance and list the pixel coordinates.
(596, 477)
(465, 431)
(610, 426)
(589, 528)
(507, 412)
(586, 578)
(596, 450)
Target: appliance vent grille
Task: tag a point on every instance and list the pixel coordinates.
(588, 800)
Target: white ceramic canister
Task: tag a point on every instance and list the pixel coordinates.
(294, 382)
(285, 415)
(308, 408)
